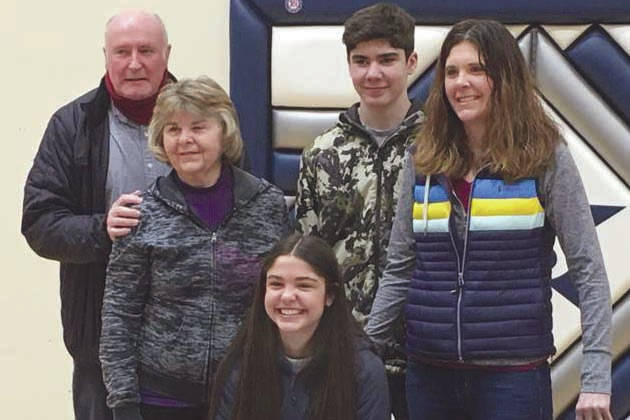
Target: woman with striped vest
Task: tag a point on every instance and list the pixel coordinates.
(487, 188)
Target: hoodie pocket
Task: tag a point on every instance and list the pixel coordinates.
(174, 345)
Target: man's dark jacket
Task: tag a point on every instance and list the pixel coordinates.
(64, 213)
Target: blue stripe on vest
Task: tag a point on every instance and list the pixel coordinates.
(436, 193)
(497, 188)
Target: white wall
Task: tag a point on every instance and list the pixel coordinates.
(51, 53)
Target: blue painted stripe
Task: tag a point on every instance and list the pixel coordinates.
(448, 11)
(250, 89)
(419, 90)
(286, 166)
(436, 194)
(497, 188)
(534, 221)
(434, 225)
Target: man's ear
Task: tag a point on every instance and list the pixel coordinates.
(329, 300)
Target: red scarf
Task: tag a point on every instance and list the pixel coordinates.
(139, 111)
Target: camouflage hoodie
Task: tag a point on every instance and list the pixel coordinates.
(347, 194)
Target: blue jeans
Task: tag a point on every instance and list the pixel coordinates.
(397, 400)
(441, 393)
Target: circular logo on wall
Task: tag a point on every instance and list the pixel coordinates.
(293, 6)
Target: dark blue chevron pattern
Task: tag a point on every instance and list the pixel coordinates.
(606, 66)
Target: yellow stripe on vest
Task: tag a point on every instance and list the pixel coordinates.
(505, 206)
(439, 210)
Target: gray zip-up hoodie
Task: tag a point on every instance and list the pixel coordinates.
(177, 291)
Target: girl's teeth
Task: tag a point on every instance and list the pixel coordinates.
(289, 311)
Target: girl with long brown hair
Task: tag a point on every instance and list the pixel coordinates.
(300, 354)
(488, 187)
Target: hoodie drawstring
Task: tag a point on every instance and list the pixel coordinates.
(425, 207)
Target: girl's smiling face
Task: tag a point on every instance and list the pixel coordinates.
(295, 298)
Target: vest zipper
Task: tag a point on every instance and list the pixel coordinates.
(460, 284)
(461, 268)
(458, 290)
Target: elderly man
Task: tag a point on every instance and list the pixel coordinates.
(92, 159)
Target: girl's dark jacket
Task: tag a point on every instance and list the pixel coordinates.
(177, 291)
(372, 399)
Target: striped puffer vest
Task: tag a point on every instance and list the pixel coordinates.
(487, 295)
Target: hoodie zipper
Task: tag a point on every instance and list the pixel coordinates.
(213, 240)
(378, 167)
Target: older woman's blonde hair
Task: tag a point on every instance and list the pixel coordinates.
(201, 96)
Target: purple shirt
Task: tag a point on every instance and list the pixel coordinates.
(211, 204)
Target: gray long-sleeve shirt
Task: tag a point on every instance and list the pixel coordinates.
(131, 165)
(568, 211)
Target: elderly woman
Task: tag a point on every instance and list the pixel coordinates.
(178, 286)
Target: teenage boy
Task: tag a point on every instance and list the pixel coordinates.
(347, 190)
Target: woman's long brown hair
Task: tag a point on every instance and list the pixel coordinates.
(330, 375)
(520, 138)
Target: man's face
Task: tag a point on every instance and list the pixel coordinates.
(136, 55)
(379, 72)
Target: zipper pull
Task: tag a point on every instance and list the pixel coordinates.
(460, 284)
(214, 237)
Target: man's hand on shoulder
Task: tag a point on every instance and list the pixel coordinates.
(123, 215)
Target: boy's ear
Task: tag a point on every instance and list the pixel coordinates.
(330, 298)
(412, 62)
